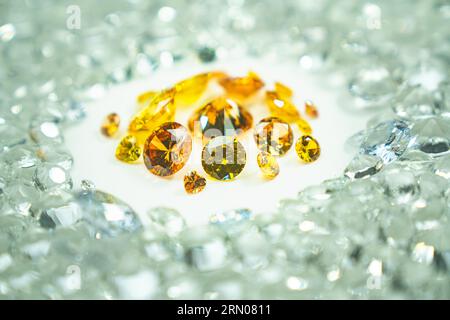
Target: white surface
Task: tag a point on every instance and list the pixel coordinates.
(94, 154)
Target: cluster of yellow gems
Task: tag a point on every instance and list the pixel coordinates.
(166, 145)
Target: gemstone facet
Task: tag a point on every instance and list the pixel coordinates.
(268, 165)
(220, 117)
(110, 125)
(307, 148)
(281, 107)
(128, 149)
(274, 136)
(167, 149)
(194, 183)
(223, 158)
(241, 88)
(283, 90)
(191, 89)
(311, 109)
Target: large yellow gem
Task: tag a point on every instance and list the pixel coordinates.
(283, 90)
(281, 107)
(223, 158)
(160, 110)
(167, 149)
(268, 164)
(110, 125)
(307, 148)
(220, 117)
(128, 149)
(274, 136)
(190, 90)
(146, 97)
(242, 88)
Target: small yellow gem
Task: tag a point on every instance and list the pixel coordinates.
(281, 107)
(242, 88)
(128, 149)
(161, 109)
(110, 125)
(268, 165)
(307, 148)
(311, 109)
(304, 126)
(146, 97)
(194, 183)
(274, 136)
(283, 90)
(223, 158)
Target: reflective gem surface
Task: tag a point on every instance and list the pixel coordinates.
(281, 107)
(223, 158)
(307, 148)
(242, 88)
(167, 149)
(194, 183)
(311, 109)
(110, 125)
(128, 149)
(268, 164)
(274, 136)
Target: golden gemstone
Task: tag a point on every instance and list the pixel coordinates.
(268, 164)
(283, 90)
(241, 88)
(304, 126)
(146, 97)
(128, 149)
(194, 183)
(274, 136)
(167, 149)
(311, 109)
(307, 148)
(220, 117)
(223, 158)
(110, 125)
(281, 107)
(190, 90)
(160, 110)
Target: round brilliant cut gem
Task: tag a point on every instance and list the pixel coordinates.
(167, 149)
(268, 165)
(307, 148)
(274, 136)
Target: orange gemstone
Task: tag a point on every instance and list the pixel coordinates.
(281, 107)
(110, 125)
(194, 183)
(220, 117)
(167, 149)
(274, 136)
(241, 88)
(311, 109)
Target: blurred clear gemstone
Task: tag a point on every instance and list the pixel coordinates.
(432, 135)
(363, 166)
(169, 220)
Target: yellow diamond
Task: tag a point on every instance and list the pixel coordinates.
(241, 88)
(268, 165)
(281, 107)
(283, 90)
(307, 148)
(311, 109)
(194, 183)
(160, 110)
(304, 126)
(146, 97)
(223, 158)
(110, 125)
(128, 149)
(274, 136)
(220, 117)
(167, 149)
(190, 90)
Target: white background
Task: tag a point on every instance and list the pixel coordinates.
(95, 160)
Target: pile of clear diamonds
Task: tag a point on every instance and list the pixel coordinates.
(379, 231)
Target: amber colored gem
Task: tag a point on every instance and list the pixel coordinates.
(274, 136)
(223, 158)
(194, 183)
(311, 109)
(283, 90)
(128, 149)
(110, 125)
(241, 88)
(307, 148)
(220, 117)
(167, 149)
(160, 110)
(146, 97)
(304, 126)
(281, 107)
(268, 164)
